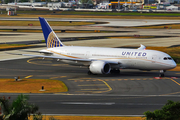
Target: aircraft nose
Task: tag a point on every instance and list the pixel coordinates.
(173, 64)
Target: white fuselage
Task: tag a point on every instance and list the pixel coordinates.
(127, 58)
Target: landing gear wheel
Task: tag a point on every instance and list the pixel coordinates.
(162, 73)
(115, 71)
(89, 73)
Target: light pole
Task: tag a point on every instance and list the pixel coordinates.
(118, 5)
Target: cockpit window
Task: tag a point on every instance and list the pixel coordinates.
(167, 58)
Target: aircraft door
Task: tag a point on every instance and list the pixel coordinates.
(88, 54)
(154, 58)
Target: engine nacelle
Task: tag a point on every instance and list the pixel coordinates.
(99, 67)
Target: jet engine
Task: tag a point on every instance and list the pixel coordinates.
(99, 67)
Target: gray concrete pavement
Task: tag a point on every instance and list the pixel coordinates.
(111, 22)
(132, 92)
(170, 38)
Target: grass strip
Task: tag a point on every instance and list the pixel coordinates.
(37, 23)
(92, 16)
(100, 13)
(168, 26)
(59, 31)
(90, 118)
(31, 86)
(119, 13)
(8, 46)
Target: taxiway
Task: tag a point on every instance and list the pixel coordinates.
(130, 93)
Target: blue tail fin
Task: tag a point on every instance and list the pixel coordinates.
(49, 35)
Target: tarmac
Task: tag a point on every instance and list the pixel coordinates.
(163, 37)
(129, 94)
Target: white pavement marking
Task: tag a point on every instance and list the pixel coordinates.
(88, 103)
(107, 103)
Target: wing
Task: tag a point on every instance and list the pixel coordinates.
(54, 57)
(64, 58)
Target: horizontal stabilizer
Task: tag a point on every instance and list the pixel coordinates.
(45, 52)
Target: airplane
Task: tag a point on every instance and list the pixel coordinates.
(102, 60)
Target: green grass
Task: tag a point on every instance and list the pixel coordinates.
(8, 46)
(119, 13)
(37, 23)
(22, 86)
(47, 12)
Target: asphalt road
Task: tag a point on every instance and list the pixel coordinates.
(130, 93)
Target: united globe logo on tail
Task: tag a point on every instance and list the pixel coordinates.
(53, 41)
(49, 35)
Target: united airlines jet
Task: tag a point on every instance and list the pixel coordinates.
(102, 60)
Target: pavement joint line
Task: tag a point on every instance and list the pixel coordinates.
(28, 76)
(93, 85)
(86, 91)
(58, 77)
(96, 89)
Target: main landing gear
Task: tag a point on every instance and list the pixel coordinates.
(89, 72)
(115, 71)
(161, 74)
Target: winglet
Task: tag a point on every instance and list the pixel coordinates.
(49, 35)
(142, 47)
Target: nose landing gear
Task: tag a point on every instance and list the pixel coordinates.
(161, 74)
